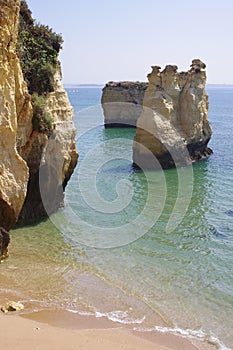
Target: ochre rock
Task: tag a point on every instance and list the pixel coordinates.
(51, 160)
(15, 107)
(12, 306)
(173, 126)
(122, 103)
(24, 153)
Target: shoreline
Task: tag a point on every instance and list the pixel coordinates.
(59, 318)
(25, 334)
(66, 331)
(19, 328)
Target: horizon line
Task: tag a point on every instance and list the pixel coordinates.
(103, 84)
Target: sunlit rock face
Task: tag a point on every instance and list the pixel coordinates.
(15, 119)
(122, 103)
(24, 152)
(51, 159)
(173, 128)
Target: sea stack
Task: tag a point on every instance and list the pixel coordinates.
(122, 103)
(173, 128)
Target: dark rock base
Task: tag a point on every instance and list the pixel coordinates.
(4, 242)
(167, 162)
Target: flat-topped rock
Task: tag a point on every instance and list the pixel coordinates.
(122, 103)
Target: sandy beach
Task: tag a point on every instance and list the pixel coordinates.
(25, 334)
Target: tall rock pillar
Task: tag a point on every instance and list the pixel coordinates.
(173, 129)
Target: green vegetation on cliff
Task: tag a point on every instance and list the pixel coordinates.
(41, 121)
(38, 49)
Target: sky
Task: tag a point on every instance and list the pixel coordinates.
(115, 40)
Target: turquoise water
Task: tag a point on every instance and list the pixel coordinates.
(94, 257)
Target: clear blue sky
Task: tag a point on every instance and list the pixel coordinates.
(120, 39)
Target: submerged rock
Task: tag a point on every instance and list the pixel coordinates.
(173, 128)
(12, 306)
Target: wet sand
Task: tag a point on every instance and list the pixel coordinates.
(26, 333)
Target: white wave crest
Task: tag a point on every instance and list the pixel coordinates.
(188, 333)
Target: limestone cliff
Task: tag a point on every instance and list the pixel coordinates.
(173, 125)
(26, 151)
(122, 103)
(51, 158)
(15, 110)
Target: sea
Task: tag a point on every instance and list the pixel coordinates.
(150, 250)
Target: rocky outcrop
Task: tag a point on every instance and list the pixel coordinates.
(15, 109)
(51, 160)
(122, 103)
(4, 241)
(12, 306)
(173, 129)
(30, 160)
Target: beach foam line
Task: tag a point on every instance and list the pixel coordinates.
(188, 333)
(118, 316)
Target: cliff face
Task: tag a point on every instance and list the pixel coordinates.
(25, 153)
(122, 103)
(173, 125)
(51, 159)
(15, 110)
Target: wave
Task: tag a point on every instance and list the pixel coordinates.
(118, 316)
(188, 333)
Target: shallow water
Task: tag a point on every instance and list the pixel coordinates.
(96, 258)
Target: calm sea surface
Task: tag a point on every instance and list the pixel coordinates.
(94, 257)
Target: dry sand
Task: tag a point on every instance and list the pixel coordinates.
(19, 333)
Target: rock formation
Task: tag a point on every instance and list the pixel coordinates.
(25, 152)
(173, 127)
(12, 306)
(51, 160)
(15, 109)
(4, 241)
(122, 103)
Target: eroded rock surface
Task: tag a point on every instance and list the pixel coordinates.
(51, 159)
(122, 103)
(15, 110)
(24, 151)
(12, 306)
(173, 125)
